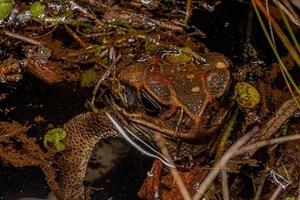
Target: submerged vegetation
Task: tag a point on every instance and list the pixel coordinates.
(83, 47)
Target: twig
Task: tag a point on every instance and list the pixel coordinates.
(262, 182)
(291, 9)
(167, 25)
(276, 193)
(78, 7)
(280, 187)
(182, 189)
(75, 36)
(46, 34)
(225, 189)
(257, 145)
(288, 13)
(113, 60)
(23, 38)
(98, 34)
(286, 110)
(223, 161)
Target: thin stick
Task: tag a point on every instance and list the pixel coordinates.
(81, 42)
(78, 7)
(180, 184)
(223, 161)
(280, 187)
(112, 60)
(286, 110)
(291, 9)
(263, 143)
(276, 193)
(293, 18)
(23, 38)
(225, 189)
(262, 182)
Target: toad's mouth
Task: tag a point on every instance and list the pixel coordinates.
(149, 126)
(139, 143)
(137, 124)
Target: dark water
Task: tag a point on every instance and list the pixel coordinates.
(122, 183)
(28, 98)
(57, 104)
(225, 29)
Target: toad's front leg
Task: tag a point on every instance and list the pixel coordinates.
(84, 131)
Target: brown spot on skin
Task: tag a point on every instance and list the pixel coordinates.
(196, 89)
(221, 65)
(190, 76)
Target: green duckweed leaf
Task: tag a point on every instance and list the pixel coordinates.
(5, 8)
(59, 146)
(290, 198)
(183, 56)
(55, 137)
(68, 12)
(87, 77)
(37, 9)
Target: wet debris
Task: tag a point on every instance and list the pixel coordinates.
(87, 42)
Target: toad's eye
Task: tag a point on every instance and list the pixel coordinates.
(151, 106)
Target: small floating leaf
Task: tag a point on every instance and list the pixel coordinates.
(36, 9)
(290, 198)
(5, 8)
(183, 56)
(68, 12)
(55, 137)
(247, 95)
(87, 77)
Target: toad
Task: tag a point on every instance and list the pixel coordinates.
(176, 93)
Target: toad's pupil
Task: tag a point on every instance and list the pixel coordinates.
(151, 107)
